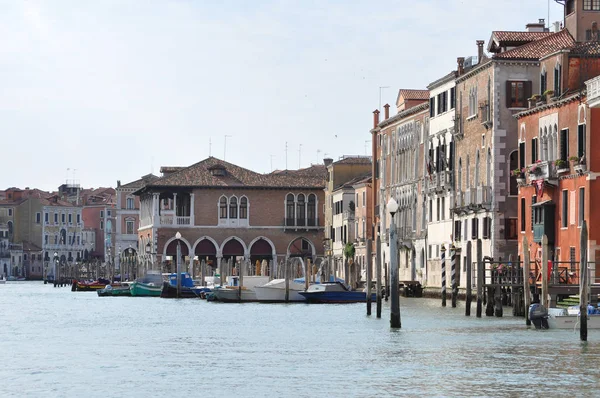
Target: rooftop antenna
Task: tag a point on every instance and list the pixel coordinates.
(381, 88)
(286, 155)
(225, 146)
(299, 155)
(67, 175)
(209, 147)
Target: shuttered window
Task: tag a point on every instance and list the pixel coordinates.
(580, 140)
(452, 98)
(521, 155)
(517, 93)
(523, 212)
(564, 144)
(475, 228)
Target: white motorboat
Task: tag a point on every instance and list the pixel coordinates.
(231, 293)
(562, 318)
(274, 291)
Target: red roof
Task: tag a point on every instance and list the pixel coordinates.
(540, 48)
(507, 38)
(410, 94)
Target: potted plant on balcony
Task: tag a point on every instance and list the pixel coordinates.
(535, 168)
(548, 94)
(519, 174)
(578, 164)
(534, 100)
(561, 166)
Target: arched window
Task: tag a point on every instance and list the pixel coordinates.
(301, 212)
(459, 178)
(312, 210)
(468, 173)
(243, 207)
(63, 237)
(233, 208)
(514, 164)
(223, 207)
(289, 210)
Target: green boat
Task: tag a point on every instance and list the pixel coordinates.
(149, 285)
(117, 289)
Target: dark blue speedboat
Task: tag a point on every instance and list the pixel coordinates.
(188, 289)
(334, 292)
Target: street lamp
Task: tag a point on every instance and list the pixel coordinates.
(392, 207)
(54, 278)
(178, 237)
(148, 249)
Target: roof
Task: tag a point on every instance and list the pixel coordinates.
(446, 78)
(591, 48)
(513, 38)
(405, 113)
(56, 201)
(410, 94)
(353, 181)
(140, 182)
(540, 48)
(200, 175)
(354, 160)
(30, 247)
(170, 169)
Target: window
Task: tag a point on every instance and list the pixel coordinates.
(475, 228)
(443, 208)
(10, 212)
(510, 228)
(432, 107)
(101, 224)
(440, 104)
(233, 208)
(311, 209)
(45, 239)
(430, 210)
(580, 140)
(457, 230)
(564, 144)
(565, 209)
(78, 218)
(223, 207)
(301, 208)
(523, 212)
(38, 218)
(101, 213)
(108, 213)
(534, 150)
(130, 204)
(78, 240)
(452, 98)
(290, 209)
(55, 239)
(557, 76)
(591, 5)
(63, 218)
(244, 208)
(517, 93)
(55, 218)
(364, 202)
(46, 216)
(70, 218)
(129, 227)
(581, 205)
(487, 228)
(543, 82)
(473, 102)
(438, 209)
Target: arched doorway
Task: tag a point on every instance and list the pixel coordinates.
(304, 249)
(261, 250)
(207, 251)
(171, 255)
(233, 248)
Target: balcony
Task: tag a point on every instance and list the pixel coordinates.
(593, 92)
(544, 170)
(300, 223)
(348, 215)
(484, 195)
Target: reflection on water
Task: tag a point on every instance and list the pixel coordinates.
(58, 343)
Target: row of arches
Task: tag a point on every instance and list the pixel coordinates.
(475, 180)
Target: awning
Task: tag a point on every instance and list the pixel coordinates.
(544, 203)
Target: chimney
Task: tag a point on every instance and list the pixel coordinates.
(480, 50)
(461, 65)
(387, 111)
(556, 27)
(327, 161)
(118, 183)
(375, 118)
(539, 26)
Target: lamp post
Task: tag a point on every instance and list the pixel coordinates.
(178, 236)
(148, 256)
(129, 262)
(392, 207)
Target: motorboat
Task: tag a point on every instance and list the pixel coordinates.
(149, 285)
(274, 291)
(115, 289)
(188, 288)
(89, 286)
(334, 292)
(232, 293)
(569, 318)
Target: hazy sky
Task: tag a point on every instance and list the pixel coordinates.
(117, 88)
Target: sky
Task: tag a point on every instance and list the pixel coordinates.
(100, 91)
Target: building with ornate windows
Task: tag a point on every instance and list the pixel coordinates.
(224, 211)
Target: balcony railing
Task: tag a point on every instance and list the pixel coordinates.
(306, 223)
(593, 92)
(484, 195)
(348, 215)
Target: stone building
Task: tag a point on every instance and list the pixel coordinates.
(224, 212)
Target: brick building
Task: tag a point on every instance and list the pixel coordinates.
(224, 211)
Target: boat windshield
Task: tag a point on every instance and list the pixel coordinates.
(156, 279)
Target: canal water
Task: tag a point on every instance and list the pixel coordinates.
(57, 343)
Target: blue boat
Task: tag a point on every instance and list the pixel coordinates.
(334, 293)
(188, 289)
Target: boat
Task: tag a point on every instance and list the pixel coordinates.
(274, 291)
(334, 292)
(89, 286)
(569, 318)
(231, 293)
(115, 289)
(188, 288)
(149, 285)
(16, 279)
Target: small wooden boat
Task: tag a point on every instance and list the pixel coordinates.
(115, 289)
(334, 293)
(232, 292)
(149, 285)
(562, 318)
(89, 286)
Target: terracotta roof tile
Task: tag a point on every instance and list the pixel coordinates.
(540, 48)
(410, 94)
(588, 48)
(140, 182)
(200, 175)
(512, 36)
(355, 160)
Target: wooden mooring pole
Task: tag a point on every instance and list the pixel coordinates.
(369, 265)
(286, 275)
(545, 271)
(526, 288)
(453, 271)
(443, 250)
(583, 283)
(469, 265)
(480, 278)
(378, 275)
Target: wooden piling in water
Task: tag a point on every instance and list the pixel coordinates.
(526, 287)
(443, 251)
(583, 283)
(378, 275)
(286, 275)
(453, 274)
(469, 265)
(545, 271)
(369, 266)
(480, 278)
